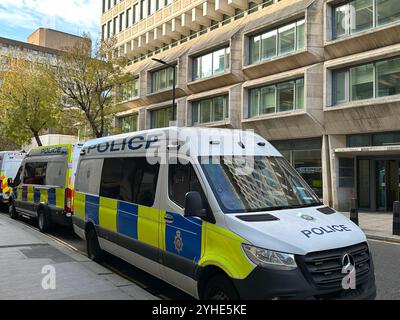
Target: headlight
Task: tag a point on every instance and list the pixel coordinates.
(270, 259)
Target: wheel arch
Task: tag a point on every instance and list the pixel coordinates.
(206, 274)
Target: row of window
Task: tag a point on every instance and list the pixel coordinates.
(277, 42)
(131, 16)
(367, 81)
(134, 180)
(285, 96)
(347, 19)
(360, 15)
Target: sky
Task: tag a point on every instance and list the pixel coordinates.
(19, 18)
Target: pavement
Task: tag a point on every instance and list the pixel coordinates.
(36, 267)
(377, 225)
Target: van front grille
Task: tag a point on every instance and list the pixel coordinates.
(324, 268)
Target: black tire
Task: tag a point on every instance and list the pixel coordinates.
(220, 287)
(12, 211)
(44, 222)
(93, 247)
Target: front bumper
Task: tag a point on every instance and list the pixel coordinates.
(265, 284)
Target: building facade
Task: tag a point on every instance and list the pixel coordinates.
(320, 79)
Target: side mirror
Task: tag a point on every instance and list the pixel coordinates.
(194, 205)
(10, 182)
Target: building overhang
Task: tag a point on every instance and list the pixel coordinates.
(369, 151)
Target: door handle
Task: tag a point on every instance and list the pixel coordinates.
(168, 218)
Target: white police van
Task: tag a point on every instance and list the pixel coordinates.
(219, 214)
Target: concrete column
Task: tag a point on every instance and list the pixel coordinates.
(142, 119)
(340, 196)
(326, 172)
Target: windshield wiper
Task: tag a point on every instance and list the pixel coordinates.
(297, 206)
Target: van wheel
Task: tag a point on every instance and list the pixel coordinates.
(93, 247)
(220, 287)
(12, 211)
(44, 222)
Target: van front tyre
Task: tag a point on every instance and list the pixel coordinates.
(93, 247)
(12, 211)
(43, 221)
(220, 288)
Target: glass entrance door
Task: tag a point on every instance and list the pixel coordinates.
(387, 184)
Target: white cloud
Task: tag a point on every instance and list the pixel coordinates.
(77, 16)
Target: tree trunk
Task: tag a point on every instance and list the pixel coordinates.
(37, 138)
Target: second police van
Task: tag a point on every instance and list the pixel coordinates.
(44, 185)
(10, 162)
(218, 213)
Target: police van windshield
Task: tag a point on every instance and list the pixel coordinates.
(250, 184)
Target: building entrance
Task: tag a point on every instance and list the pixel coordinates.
(378, 183)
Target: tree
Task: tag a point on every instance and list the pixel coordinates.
(29, 100)
(89, 79)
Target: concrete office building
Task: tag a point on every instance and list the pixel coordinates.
(42, 44)
(320, 79)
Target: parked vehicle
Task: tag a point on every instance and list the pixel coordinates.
(10, 161)
(44, 185)
(218, 213)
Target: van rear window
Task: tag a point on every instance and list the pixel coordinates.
(131, 180)
(50, 173)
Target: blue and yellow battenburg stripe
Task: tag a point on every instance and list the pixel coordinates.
(54, 197)
(198, 241)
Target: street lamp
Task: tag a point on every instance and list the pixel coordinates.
(173, 85)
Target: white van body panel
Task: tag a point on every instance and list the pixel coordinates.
(286, 234)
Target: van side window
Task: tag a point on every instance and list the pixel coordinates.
(182, 179)
(55, 173)
(88, 178)
(17, 179)
(35, 173)
(131, 180)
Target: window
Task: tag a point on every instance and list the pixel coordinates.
(109, 29)
(128, 123)
(388, 11)
(115, 21)
(141, 16)
(88, 177)
(388, 75)
(128, 18)
(210, 110)
(305, 156)
(131, 180)
(362, 82)
(162, 79)
(50, 173)
(135, 14)
(103, 32)
(376, 139)
(130, 89)
(285, 96)
(211, 64)
(161, 118)
(121, 21)
(277, 42)
(373, 80)
(181, 180)
(346, 173)
(360, 15)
